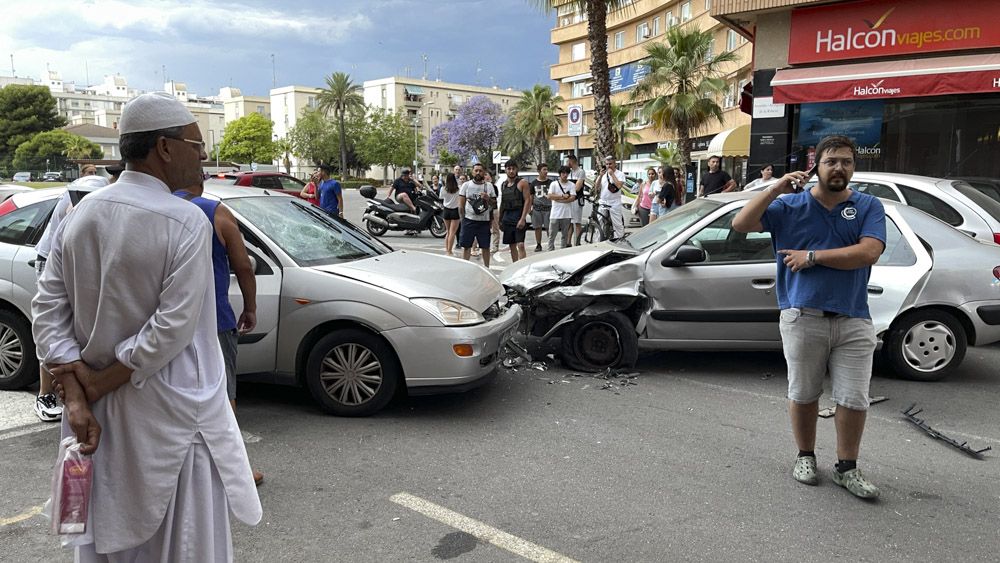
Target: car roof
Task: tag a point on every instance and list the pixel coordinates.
(229, 191)
(894, 177)
(34, 196)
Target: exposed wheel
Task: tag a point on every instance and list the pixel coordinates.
(589, 232)
(925, 345)
(376, 230)
(18, 363)
(438, 228)
(595, 343)
(351, 372)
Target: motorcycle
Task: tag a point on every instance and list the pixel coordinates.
(382, 215)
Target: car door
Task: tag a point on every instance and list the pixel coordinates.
(903, 264)
(257, 349)
(728, 301)
(19, 232)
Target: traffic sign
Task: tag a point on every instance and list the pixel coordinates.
(575, 115)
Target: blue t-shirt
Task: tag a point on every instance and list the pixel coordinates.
(328, 192)
(799, 222)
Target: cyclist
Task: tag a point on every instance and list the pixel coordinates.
(610, 183)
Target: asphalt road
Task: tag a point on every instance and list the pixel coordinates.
(692, 462)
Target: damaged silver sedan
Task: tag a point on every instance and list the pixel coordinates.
(691, 282)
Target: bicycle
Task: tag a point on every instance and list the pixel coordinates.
(599, 226)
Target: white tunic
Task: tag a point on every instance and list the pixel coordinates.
(129, 278)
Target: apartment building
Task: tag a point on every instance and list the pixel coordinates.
(236, 105)
(428, 103)
(629, 31)
(286, 106)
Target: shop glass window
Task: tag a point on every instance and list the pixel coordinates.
(878, 190)
(931, 205)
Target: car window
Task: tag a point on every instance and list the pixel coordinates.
(898, 251)
(878, 190)
(289, 183)
(307, 235)
(266, 182)
(671, 224)
(18, 226)
(227, 181)
(724, 244)
(931, 205)
(980, 197)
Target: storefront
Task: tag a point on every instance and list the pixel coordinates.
(916, 84)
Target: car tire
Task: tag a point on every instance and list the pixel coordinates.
(925, 345)
(335, 382)
(599, 342)
(438, 228)
(18, 362)
(376, 230)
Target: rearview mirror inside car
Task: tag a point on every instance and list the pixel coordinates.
(686, 254)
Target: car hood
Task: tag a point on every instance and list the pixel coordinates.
(558, 266)
(420, 274)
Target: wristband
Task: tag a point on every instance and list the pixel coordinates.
(811, 258)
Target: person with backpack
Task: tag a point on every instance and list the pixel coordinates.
(515, 204)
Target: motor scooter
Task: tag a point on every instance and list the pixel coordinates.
(383, 215)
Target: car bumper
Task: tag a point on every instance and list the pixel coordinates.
(430, 363)
(983, 315)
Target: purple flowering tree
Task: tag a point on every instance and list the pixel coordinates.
(475, 130)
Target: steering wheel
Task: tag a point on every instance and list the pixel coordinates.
(697, 244)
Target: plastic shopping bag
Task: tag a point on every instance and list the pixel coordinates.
(71, 480)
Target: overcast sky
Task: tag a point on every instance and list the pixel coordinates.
(210, 44)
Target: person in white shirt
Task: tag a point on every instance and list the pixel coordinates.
(766, 176)
(562, 194)
(125, 321)
(610, 183)
(577, 175)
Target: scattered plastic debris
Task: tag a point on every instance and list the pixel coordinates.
(911, 415)
(767, 375)
(830, 411)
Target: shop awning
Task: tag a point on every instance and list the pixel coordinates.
(731, 142)
(414, 90)
(966, 74)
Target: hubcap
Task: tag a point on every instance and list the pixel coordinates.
(351, 374)
(600, 344)
(929, 346)
(10, 352)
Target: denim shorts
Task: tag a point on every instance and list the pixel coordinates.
(816, 345)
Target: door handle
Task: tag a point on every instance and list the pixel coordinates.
(762, 283)
(875, 289)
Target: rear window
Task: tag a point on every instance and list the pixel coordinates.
(227, 181)
(931, 205)
(985, 202)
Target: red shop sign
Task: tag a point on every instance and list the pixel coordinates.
(877, 28)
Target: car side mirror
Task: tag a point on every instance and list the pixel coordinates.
(686, 254)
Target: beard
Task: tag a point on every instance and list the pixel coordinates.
(836, 183)
(479, 178)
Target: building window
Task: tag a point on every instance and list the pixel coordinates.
(686, 11)
(311, 102)
(729, 96)
(671, 19)
(641, 32)
(619, 40)
(581, 89)
(260, 110)
(711, 50)
(731, 41)
(579, 51)
(656, 26)
(640, 117)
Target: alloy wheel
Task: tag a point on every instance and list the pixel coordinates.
(11, 352)
(351, 374)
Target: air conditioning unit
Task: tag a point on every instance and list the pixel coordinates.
(645, 34)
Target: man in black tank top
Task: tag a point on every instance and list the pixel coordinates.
(515, 204)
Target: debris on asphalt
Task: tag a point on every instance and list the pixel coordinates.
(830, 411)
(767, 375)
(911, 415)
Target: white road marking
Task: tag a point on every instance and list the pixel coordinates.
(30, 513)
(29, 429)
(870, 415)
(484, 532)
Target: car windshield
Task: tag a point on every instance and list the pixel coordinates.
(307, 234)
(668, 226)
(984, 201)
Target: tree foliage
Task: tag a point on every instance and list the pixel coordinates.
(248, 139)
(621, 121)
(24, 112)
(476, 131)
(683, 83)
(388, 140)
(532, 123)
(53, 146)
(341, 97)
(314, 138)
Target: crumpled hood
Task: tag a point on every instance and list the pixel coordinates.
(541, 269)
(420, 274)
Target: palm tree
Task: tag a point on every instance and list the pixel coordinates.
(341, 96)
(669, 156)
(597, 36)
(683, 82)
(78, 147)
(533, 120)
(621, 121)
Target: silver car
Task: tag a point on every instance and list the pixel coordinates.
(337, 310)
(690, 282)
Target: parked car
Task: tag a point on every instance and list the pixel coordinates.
(690, 282)
(337, 310)
(988, 186)
(52, 177)
(953, 201)
(275, 181)
(22, 177)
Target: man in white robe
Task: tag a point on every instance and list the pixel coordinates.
(125, 320)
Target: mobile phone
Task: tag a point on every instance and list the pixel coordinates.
(809, 174)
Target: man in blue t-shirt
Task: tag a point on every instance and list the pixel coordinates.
(826, 240)
(331, 197)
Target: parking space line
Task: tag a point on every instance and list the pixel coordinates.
(30, 513)
(484, 532)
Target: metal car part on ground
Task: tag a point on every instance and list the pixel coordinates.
(691, 282)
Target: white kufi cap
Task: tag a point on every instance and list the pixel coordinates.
(152, 112)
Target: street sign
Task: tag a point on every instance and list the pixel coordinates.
(497, 155)
(575, 116)
(502, 160)
(474, 160)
